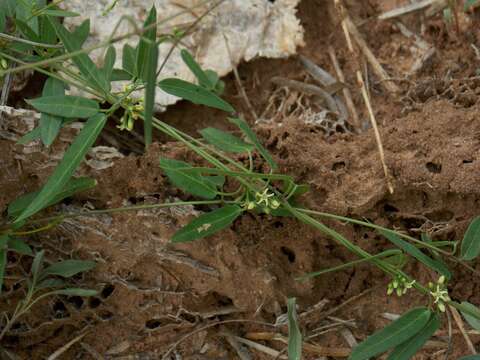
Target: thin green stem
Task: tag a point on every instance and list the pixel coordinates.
(28, 42)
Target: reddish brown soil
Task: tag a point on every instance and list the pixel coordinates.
(153, 292)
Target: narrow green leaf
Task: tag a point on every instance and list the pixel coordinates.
(129, 56)
(30, 136)
(474, 322)
(49, 124)
(147, 47)
(225, 141)
(50, 283)
(203, 79)
(3, 23)
(207, 224)
(120, 75)
(187, 181)
(59, 13)
(19, 246)
(68, 268)
(66, 106)
(24, 11)
(294, 334)
(217, 181)
(62, 173)
(87, 67)
(417, 254)
(410, 347)
(26, 30)
(72, 187)
(470, 357)
(8, 7)
(471, 241)
(194, 93)
(394, 334)
(37, 265)
(75, 292)
(81, 32)
(47, 32)
(253, 138)
(147, 63)
(3, 257)
(109, 62)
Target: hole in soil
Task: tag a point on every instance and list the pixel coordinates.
(188, 317)
(339, 165)
(107, 291)
(222, 300)
(412, 223)
(94, 302)
(288, 253)
(153, 324)
(60, 310)
(105, 315)
(467, 161)
(277, 224)
(434, 168)
(388, 208)
(76, 301)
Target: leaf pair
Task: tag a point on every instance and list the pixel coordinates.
(405, 336)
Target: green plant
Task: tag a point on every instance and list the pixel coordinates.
(269, 193)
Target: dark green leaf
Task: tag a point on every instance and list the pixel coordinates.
(49, 124)
(394, 334)
(147, 47)
(24, 11)
(207, 224)
(253, 138)
(120, 75)
(19, 246)
(214, 81)
(3, 22)
(294, 334)
(109, 62)
(225, 141)
(47, 32)
(147, 62)
(31, 136)
(473, 321)
(470, 357)
(409, 348)
(66, 106)
(68, 268)
(62, 173)
(75, 292)
(8, 7)
(203, 79)
(73, 186)
(27, 31)
(471, 241)
(81, 32)
(92, 74)
(129, 56)
(50, 283)
(217, 181)
(3, 257)
(417, 254)
(194, 93)
(188, 181)
(59, 13)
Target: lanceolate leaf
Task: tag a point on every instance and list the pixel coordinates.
(194, 93)
(406, 350)
(203, 79)
(147, 61)
(253, 138)
(73, 186)
(472, 321)
(68, 268)
(19, 246)
(294, 334)
(59, 13)
(224, 141)
(75, 292)
(188, 181)
(72, 158)
(417, 254)
(109, 62)
(49, 124)
(399, 331)
(87, 67)
(3, 258)
(81, 32)
(30, 136)
(128, 60)
(66, 106)
(470, 357)
(207, 224)
(471, 241)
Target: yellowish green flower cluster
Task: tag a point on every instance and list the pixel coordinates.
(399, 285)
(134, 108)
(265, 200)
(439, 293)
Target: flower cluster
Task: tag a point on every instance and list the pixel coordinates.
(439, 293)
(134, 108)
(265, 200)
(400, 285)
